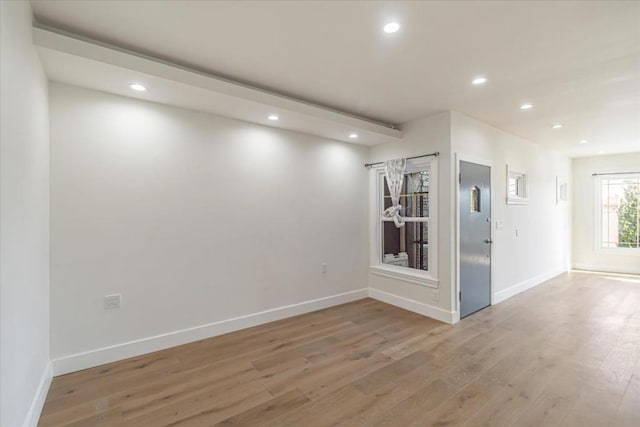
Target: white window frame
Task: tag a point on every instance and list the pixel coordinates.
(427, 278)
(597, 209)
(521, 197)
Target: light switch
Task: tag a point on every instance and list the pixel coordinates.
(499, 225)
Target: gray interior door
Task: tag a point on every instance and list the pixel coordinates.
(475, 237)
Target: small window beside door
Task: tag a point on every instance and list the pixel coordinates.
(517, 187)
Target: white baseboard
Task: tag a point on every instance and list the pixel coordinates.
(33, 416)
(100, 356)
(523, 286)
(412, 305)
(606, 269)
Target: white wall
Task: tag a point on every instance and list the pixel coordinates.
(423, 136)
(24, 222)
(542, 247)
(194, 219)
(585, 255)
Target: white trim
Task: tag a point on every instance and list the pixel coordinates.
(412, 305)
(597, 215)
(525, 285)
(618, 251)
(409, 275)
(606, 268)
(100, 356)
(33, 416)
(456, 289)
(407, 219)
(434, 207)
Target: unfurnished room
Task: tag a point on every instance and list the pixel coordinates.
(319, 213)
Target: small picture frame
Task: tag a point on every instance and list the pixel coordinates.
(517, 187)
(562, 190)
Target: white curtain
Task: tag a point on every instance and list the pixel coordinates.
(394, 174)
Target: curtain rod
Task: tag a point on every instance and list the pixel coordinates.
(614, 173)
(436, 154)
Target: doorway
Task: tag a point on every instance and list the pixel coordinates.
(474, 204)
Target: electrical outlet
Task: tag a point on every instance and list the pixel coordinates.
(436, 296)
(112, 301)
(324, 267)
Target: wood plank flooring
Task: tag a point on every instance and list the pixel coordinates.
(564, 353)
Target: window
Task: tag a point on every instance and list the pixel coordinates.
(474, 199)
(408, 246)
(617, 212)
(517, 187)
(562, 190)
(408, 250)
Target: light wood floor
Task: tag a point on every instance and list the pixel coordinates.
(564, 353)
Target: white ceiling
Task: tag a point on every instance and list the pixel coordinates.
(577, 62)
(83, 63)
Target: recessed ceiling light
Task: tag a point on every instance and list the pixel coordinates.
(583, 141)
(479, 80)
(391, 27)
(556, 126)
(137, 87)
(526, 106)
(353, 135)
(273, 117)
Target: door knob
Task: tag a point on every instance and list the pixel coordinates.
(488, 241)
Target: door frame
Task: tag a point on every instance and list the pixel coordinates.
(460, 157)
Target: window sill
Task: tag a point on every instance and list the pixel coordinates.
(405, 274)
(619, 251)
(517, 201)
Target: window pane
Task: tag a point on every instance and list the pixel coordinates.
(407, 246)
(513, 186)
(474, 199)
(620, 228)
(414, 197)
(516, 185)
